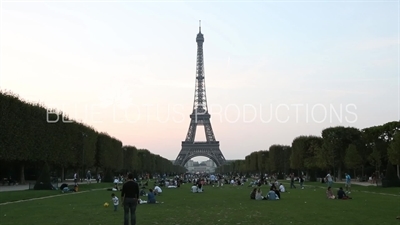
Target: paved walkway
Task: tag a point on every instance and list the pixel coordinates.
(342, 182)
(357, 183)
(22, 187)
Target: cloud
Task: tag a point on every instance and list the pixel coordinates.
(119, 94)
(150, 81)
(384, 62)
(341, 93)
(377, 43)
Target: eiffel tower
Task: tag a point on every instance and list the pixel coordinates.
(200, 117)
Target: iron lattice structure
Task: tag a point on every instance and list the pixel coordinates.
(200, 117)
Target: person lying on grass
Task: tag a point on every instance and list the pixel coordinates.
(329, 194)
(342, 195)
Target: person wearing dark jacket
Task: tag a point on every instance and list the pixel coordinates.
(130, 199)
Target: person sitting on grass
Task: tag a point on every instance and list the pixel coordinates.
(281, 188)
(151, 197)
(194, 189)
(342, 195)
(259, 194)
(143, 192)
(273, 187)
(157, 190)
(329, 194)
(253, 194)
(272, 195)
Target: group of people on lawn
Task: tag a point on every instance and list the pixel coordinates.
(151, 196)
(274, 193)
(341, 194)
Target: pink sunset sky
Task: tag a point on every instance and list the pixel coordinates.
(274, 70)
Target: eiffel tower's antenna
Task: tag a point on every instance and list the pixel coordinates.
(200, 99)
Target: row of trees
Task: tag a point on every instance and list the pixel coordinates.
(338, 149)
(31, 135)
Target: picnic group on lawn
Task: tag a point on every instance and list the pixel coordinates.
(276, 188)
(341, 194)
(131, 192)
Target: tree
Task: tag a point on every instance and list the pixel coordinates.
(394, 152)
(261, 161)
(279, 158)
(43, 182)
(311, 156)
(375, 158)
(353, 159)
(379, 138)
(335, 142)
(254, 167)
(390, 179)
(304, 153)
(299, 147)
(390, 172)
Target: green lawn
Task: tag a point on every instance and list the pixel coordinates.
(11, 196)
(227, 205)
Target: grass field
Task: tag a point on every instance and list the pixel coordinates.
(226, 205)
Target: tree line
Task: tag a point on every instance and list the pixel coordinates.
(339, 149)
(28, 140)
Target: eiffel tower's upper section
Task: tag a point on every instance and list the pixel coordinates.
(200, 99)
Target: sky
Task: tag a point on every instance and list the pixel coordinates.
(273, 70)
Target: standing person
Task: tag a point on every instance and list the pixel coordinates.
(130, 199)
(329, 179)
(116, 182)
(301, 181)
(115, 201)
(76, 178)
(347, 185)
(292, 181)
(89, 177)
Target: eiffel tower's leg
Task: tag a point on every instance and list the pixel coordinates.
(191, 134)
(209, 131)
(182, 156)
(216, 155)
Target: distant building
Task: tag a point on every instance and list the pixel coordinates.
(202, 167)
